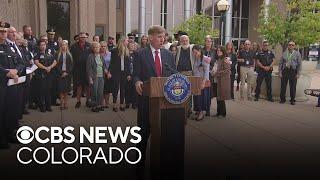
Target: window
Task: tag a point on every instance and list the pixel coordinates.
(163, 13)
(100, 32)
(58, 17)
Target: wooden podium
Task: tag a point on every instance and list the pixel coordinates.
(167, 129)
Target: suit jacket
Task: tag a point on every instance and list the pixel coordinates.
(92, 67)
(144, 65)
(115, 65)
(191, 55)
(69, 64)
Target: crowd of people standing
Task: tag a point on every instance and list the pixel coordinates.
(99, 69)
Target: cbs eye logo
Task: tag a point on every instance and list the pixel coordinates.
(25, 135)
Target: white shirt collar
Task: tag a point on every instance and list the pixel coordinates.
(9, 41)
(153, 49)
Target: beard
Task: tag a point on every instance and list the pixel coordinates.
(185, 46)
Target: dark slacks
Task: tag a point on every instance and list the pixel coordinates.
(130, 93)
(288, 74)
(45, 92)
(26, 92)
(268, 78)
(221, 108)
(3, 121)
(119, 83)
(232, 78)
(20, 92)
(10, 109)
(54, 86)
(143, 123)
(238, 72)
(319, 101)
(201, 102)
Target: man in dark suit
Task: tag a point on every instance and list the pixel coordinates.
(150, 62)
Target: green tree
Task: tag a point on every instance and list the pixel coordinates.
(300, 22)
(197, 27)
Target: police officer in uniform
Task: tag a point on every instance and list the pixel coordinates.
(52, 49)
(11, 41)
(10, 67)
(45, 63)
(265, 60)
(32, 41)
(28, 61)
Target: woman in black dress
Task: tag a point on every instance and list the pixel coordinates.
(64, 68)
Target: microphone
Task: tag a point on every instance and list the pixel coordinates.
(172, 71)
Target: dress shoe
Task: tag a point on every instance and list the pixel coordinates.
(282, 102)
(49, 109)
(318, 105)
(256, 99)
(32, 106)
(78, 104)
(42, 109)
(106, 106)
(207, 113)
(270, 100)
(133, 106)
(95, 109)
(122, 109)
(127, 106)
(200, 117)
(115, 109)
(101, 108)
(292, 103)
(89, 104)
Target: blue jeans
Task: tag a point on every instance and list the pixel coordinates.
(97, 93)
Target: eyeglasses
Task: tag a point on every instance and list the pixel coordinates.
(291, 45)
(266, 45)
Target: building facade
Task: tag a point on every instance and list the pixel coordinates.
(118, 17)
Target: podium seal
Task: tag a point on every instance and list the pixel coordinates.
(177, 89)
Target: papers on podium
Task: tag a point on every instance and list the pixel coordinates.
(20, 80)
(32, 69)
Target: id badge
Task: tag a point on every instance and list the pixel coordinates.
(41, 56)
(247, 62)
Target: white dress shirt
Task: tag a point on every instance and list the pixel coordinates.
(15, 45)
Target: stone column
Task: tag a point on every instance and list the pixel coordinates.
(142, 17)
(86, 16)
(128, 17)
(187, 10)
(228, 24)
(111, 20)
(40, 17)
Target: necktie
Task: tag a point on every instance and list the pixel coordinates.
(157, 63)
